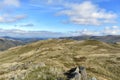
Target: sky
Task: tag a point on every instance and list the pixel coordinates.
(59, 18)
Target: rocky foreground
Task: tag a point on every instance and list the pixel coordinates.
(50, 59)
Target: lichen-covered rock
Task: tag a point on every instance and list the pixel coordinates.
(93, 78)
(77, 73)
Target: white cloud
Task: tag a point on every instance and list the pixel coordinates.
(5, 7)
(25, 25)
(88, 32)
(84, 32)
(114, 30)
(9, 3)
(47, 5)
(15, 3)
(31, 34)
(6, 18)
(88, 13)
(50, 2)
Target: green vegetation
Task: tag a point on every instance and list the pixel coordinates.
(44, 73)
(7, 43)
(49, 59)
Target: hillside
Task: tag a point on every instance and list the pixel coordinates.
(108, 38)
(49, 59)
(8, 43)
(23, 39)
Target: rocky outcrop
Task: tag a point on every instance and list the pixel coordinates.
(77, 73)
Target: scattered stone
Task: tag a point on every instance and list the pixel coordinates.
(78, 73)
(93, 78)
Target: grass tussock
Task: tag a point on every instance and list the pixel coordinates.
(49, 59)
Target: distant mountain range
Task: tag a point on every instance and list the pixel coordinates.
(7, 42)
(25, 40)
(108, 38)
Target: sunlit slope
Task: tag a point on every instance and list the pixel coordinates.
(51, 58)
(8, 43)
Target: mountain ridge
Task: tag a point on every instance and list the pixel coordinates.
(8, 43)
(49, 59)
(107, 38)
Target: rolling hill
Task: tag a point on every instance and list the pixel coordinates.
(23, 39)
(49, 59)
(108, 38)
(8, 43)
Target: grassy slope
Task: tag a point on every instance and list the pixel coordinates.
(7, 43)
(46, 60)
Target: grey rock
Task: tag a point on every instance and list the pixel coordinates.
(93, 78)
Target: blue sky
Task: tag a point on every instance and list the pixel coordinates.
(55, 18)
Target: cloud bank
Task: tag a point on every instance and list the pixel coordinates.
(30, 34)
(87, 13)
(7, 9)
(6, 18)
(114, 30)
(25, 25)
(9, 3)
